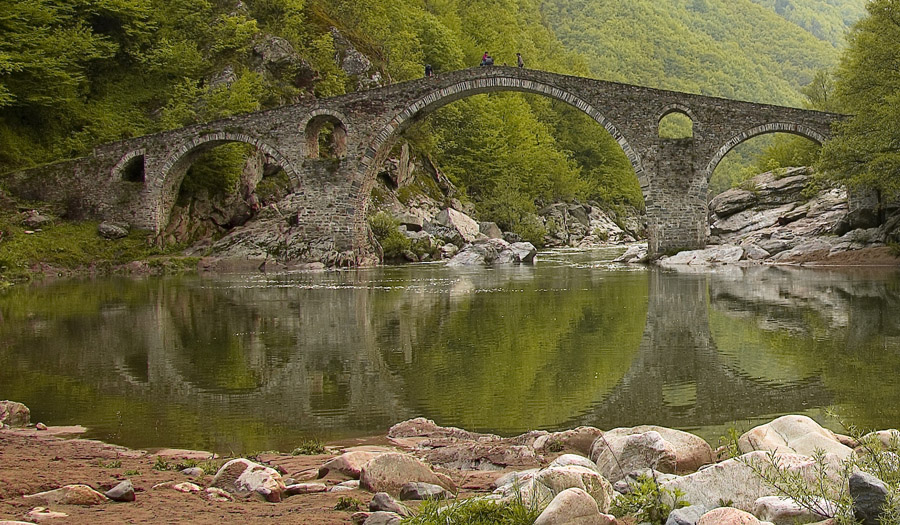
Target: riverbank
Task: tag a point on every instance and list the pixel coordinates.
(335, 484)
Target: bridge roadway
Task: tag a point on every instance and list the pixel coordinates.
(137, 180)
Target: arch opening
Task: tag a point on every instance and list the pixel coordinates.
(760, 153)
(134, 170)
(502, 199)
(220, 178)
(676, 125)
(326, 137)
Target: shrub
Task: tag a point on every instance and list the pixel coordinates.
(648, 502)
(475, 512)
(393, 243)
(309, 447)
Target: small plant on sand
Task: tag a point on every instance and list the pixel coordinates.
(349, 504)
(132, 473)
(648, 502)
(161, 464)
(112, 464)
(309, 447)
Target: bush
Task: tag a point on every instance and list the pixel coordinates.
(475, 512)
(393, 243)
(648, 502)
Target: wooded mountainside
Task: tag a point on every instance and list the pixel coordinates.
(76, 73)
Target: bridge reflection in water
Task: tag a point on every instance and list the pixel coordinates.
(241, 363)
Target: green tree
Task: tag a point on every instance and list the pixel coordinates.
(866, 147)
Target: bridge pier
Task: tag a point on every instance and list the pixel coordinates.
(676, 199)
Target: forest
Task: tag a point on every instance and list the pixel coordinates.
(77, 73)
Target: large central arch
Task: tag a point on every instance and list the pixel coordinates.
(438, 98)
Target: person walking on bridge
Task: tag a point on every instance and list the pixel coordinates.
(519, 61)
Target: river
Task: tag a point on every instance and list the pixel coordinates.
(238, 363)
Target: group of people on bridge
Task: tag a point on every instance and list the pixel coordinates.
(486, 60)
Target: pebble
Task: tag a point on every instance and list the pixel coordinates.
(186, 487)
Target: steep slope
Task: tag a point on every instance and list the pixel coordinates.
(735, 48)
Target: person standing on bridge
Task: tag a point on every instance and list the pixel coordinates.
(429, 71)
(484, 58)
(519, 61)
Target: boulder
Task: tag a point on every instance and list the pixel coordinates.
(580, 439)
(733, 480)
(869, 495)
(518, 478)
(728, 516)
(194, 472)
(304, 488)
(634, 254)
(573, 459)
(244, 477)
(491, 230)
(383, 518)
(623, 450)
(41, 515)
(34, 219)
(573, 507)
(689, 515)
(186, 487)
(216, 494)
(459, 222)
(14, 414)
(887, 439)
(560, 478)
(389, 472)
(786, 511)
(482, 456)
(122, 492)
(349, 464)
(425, 428)
(112, 230)
(69, 495)
(521, 252)
(793, 434)
(421, 491)
(726, 254)
(383, 502)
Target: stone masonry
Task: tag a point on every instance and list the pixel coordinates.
(137, 180)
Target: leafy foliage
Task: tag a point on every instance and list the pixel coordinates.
(864, 150)
(648, 502)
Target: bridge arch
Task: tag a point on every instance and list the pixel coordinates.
(678, 110)
(165, 187)
(774, 127)
(442, 96)
(312, 127)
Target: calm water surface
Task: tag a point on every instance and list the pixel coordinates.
(239, 363)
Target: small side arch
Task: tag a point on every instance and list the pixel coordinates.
(131, 167)
(673, 115)
(164, 189)
(312, 127)
(774, 127)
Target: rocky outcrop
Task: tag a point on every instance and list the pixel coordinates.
(494, 251)
(588, 225)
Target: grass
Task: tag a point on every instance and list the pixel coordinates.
(474, 512)
(73, 246)
(309, 447)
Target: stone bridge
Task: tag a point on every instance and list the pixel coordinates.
(137, 180)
